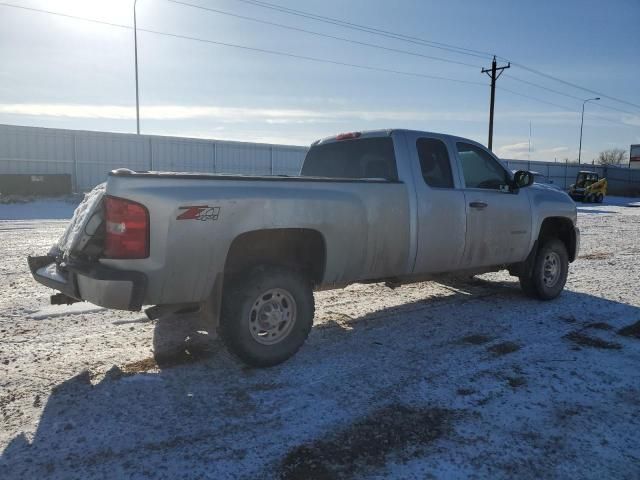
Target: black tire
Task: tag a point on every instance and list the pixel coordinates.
(541, 286)
(244, 305)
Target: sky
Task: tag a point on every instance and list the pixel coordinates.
(67, 73)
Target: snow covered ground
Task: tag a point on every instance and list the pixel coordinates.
(468, 379)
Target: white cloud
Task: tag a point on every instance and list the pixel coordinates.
(156, 112)
(257, 123)
(520, 151)
(633, 120)
(554, 150)
(228, 114)
(513, 150)
(250, 114)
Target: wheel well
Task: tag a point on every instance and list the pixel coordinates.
(296, 248)
(562, 229)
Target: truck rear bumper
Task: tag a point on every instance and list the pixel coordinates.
(95, 283)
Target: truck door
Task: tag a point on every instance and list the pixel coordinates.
(440, 206)
(498, 220)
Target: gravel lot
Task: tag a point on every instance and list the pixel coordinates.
(467, 379)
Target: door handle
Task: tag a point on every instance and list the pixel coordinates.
(478, 205)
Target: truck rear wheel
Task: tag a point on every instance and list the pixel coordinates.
(549, 271)
(267, 315)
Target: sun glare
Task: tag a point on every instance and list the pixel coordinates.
(114, 11)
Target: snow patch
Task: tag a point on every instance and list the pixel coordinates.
(80, 217)
(53, 311)
(51, 271)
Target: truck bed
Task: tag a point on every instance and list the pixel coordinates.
(240, 177)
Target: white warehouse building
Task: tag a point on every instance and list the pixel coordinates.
(88, 156)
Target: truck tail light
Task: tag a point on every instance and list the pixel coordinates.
(127, 229)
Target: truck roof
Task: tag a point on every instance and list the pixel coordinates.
(385, 133)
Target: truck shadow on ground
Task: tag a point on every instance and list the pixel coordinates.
(192, 410)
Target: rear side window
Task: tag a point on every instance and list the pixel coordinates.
(359, 158)
(434, 163)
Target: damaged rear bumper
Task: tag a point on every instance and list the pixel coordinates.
(91, 282)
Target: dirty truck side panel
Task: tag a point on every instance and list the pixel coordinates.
(441, 213)
(365, 227)
(499, 233)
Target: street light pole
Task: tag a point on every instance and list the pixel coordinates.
(581, 124)
(135, 44)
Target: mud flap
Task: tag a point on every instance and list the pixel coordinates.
(525, 269)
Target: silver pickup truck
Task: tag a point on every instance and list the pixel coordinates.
(393, 206)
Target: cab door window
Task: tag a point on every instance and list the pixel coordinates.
(479, 169)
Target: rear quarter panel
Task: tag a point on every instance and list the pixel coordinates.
(365, 227)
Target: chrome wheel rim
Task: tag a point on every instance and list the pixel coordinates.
(272, 316)
(551, 269)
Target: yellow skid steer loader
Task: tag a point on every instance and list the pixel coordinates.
(589, 187)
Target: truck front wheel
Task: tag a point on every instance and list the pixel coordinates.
(549, 273)
(266, 315)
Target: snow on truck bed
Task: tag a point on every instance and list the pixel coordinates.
(429, 380)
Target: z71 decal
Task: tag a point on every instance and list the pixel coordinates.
(200, 212)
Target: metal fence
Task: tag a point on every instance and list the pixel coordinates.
(621, 180)
(89, 156)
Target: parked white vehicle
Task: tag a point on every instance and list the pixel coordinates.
(388, 205)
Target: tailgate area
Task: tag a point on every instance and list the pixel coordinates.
(73, 268)
(91, 282)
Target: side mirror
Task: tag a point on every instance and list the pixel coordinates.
(522, 178)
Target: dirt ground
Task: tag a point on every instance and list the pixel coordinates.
(468, 379)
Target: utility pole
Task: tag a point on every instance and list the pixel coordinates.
(494, 73)
(135, 46)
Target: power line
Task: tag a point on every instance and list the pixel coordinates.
(313, 59)
(373, 30)
(536, 99)
(311, 32)
(617, 122)
(421, 41)
(564, 107)
(594, 92)
(288, 27)
(253, 49)
(74, 17)
(286, 54)
(521, 80)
